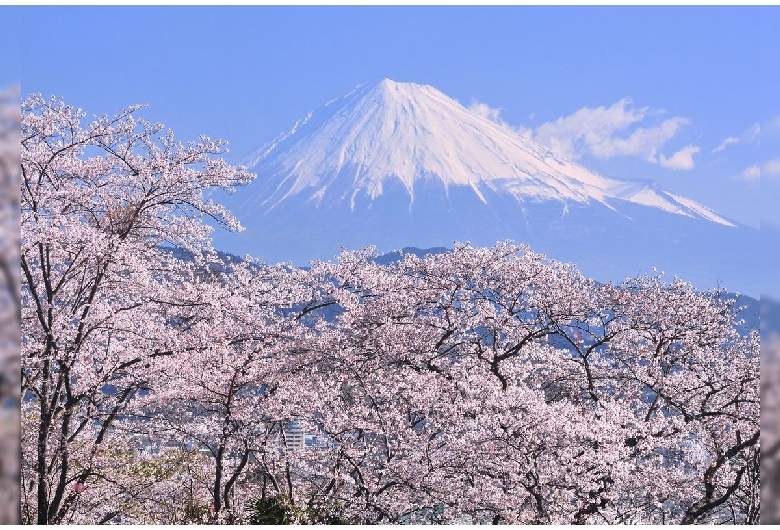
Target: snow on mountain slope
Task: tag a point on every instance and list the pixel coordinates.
(406, 132)
(399, 164)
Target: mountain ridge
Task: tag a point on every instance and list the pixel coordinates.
(366, 169)
(403, 131)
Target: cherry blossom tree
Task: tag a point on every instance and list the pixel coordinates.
(164, 383)
(495, 385)
(225, 404)
(104, 205)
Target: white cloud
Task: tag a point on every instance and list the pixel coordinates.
(606, 132)
(754, 133)
(494, 115)
(749, 174)
(591, 130)
(644, 142)
(771, 168)
(749, 136)
(612, 131)
(774, 124)
(486, 111)
(682, 159)
(731, 140)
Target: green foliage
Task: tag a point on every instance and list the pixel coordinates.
(270, 510)
(195, 513)
(279, 510)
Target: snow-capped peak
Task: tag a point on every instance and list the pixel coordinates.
(406, 132)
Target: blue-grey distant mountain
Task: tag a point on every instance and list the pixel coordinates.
(400, 164)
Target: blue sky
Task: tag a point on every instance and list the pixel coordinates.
(676, 95)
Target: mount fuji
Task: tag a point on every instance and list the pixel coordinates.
(400, 164)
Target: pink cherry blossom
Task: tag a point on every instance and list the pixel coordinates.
(480, 385)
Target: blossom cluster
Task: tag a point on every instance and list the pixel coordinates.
(163, 382)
